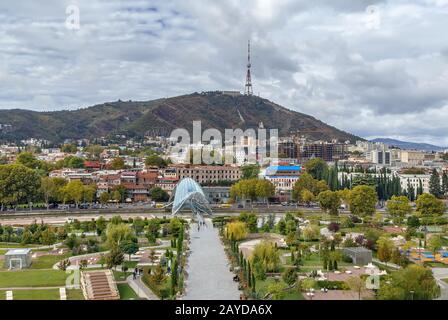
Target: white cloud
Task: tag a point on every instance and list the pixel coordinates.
(382, 77)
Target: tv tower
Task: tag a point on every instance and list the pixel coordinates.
(248, 91)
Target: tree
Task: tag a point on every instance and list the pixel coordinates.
(48, 237)
(18, 184)
(251, 221)
(329, 202)
(399, 206)
(363, 200)
(277, 290)
(250, 171)
(94, 151)
(429, 205)
(129, 247)
(69, 148)
(264, 189)
(236, 230)
(385, 248)
(104, 197)
(434, 184)
(266, 255)
(307, 182)
(73, 191)
(413, 222)
(317, 168)
(117, 164)
(307, 197)
(411, 283)
(155, 161)
(114, 258)
(100, 225)
(50, 188)
(159, 195)
(311, 232)
(435, 244)
(289, 276)
(357, 284)
(118, 233)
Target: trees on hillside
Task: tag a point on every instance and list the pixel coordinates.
(155, 161)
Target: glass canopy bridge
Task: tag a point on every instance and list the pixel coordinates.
(189, 195)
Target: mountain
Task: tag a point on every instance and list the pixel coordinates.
(134, 119)
(409, 145)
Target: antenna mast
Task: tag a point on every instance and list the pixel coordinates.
(248, 90)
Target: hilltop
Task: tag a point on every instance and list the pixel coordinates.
(135, 118)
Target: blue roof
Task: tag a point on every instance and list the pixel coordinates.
(283, 168)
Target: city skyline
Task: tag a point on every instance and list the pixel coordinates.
(372, 68)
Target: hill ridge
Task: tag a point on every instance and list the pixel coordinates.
(135, 118)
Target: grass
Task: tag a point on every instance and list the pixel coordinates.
(120, 275)
(126, 292)
(32, 278)
(75, 294)
(47, 261)
(445, 280)
(44, 294)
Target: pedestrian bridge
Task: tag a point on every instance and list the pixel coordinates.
(188, 194)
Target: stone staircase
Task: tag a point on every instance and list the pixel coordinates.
(99, 285)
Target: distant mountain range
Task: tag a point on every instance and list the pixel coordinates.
(135, 119)
(409, 145)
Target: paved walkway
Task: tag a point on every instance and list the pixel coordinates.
(209, 277)
(141, 289)
(439, 274)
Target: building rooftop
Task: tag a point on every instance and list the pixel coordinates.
(17, 252)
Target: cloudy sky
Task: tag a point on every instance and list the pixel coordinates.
(373, 68)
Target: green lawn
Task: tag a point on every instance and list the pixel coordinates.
(44, 294)
(75, 294)
(120, 276)
(47, 261)
(32, 278)
(126, 292)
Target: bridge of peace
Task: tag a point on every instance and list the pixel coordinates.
(209, 276)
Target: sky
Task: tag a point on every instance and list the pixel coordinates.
(372, 68)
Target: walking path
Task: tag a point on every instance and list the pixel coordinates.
(209, 277)
(141, 289)
(440, 274)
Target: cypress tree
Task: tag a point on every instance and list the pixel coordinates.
(444, 184)
(249, 275)
(434, 184)
(253, 283)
